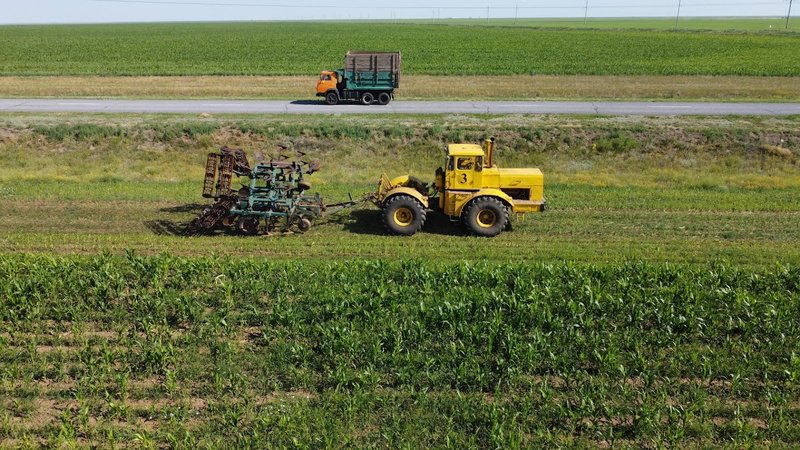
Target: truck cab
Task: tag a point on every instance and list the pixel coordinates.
(327, 82)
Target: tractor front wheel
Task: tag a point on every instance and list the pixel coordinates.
(403, 215)
(485, 216)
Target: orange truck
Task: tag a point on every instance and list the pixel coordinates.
(367, 77)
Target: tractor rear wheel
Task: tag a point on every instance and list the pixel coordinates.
(403, 215)
(367, 98)
(332, 98)
(485, 216)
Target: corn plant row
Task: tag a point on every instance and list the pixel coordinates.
(167, 350)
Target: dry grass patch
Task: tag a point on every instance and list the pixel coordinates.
(518, 87)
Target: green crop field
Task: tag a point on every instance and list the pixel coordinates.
(654, 23)
(306, 48)
(654, 303)
(249, 353)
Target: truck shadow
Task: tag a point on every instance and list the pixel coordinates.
(368, 221)
(307, 102)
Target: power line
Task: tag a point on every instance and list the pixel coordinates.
(427, 7)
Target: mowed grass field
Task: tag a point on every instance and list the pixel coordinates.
(655, 303)
(681, 190)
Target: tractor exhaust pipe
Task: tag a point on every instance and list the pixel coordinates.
(489, 147)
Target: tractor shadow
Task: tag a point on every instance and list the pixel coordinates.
(369, 222)
(195, 208)
(166, 227)
(169, 227)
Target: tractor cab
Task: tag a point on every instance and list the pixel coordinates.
(463, 167)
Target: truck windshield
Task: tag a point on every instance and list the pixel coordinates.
(325, 77)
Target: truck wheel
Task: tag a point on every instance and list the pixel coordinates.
(332, 98)
(367, 98)
(485, 216)
(384, 98)
(403, 215)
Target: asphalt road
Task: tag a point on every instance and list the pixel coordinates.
(396, 107)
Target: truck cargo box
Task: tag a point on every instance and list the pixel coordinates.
(372, 70)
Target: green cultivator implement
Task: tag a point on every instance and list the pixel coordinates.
(274, 198)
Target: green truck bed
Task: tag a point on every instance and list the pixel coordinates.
(372, 70)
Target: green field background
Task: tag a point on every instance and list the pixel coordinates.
(435, 49)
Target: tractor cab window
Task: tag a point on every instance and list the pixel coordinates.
(465, 163)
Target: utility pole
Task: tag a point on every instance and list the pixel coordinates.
(678, 15)
(516, 13)
(788, 14)
(487, 12)
(586, 12)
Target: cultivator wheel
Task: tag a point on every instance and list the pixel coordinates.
(210, 217)
(248, 225)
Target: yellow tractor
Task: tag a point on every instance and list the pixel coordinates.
(469, 188)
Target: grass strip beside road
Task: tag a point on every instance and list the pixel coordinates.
(669, 189)
(416, 87)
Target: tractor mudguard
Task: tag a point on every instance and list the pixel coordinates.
(497, 193)
(411, 192)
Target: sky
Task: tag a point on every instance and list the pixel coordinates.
(111, 11)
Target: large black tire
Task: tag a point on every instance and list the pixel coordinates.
(485, 216)
(332, 98)
(403, 215)
(367, 98)
(384, 98)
